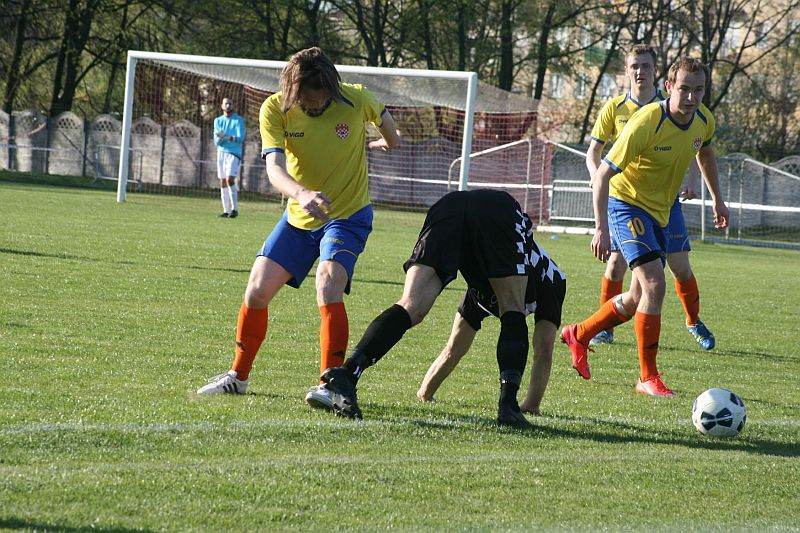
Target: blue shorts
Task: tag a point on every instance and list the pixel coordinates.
(634, 231)
(677, 236)
(340, 240)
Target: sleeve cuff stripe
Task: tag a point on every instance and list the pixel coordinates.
(601, 141)
(614, 167)
(266, 151)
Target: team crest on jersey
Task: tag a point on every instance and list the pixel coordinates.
(697, 143)
(342, 130)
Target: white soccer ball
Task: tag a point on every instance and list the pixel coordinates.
(719, 412)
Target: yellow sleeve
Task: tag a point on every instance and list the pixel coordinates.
(635, 137)
(373, 110)
(271, 123)
(603, 129)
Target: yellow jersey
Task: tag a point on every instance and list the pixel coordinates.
(616, 112)
(324, 153)
(651, 156)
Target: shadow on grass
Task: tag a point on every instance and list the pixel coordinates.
(592, 429)
(21, 523)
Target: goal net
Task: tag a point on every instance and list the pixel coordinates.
(443, 117)
(764, 200)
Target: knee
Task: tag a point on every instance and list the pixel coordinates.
(682, 272)
(415, 312)
(654, 286)
(615, 270)
(330, 283)
(255, 296)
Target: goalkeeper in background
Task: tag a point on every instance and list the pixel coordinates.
(313, 135)
(229, 135)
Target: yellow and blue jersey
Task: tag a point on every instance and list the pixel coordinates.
(616, 112)
(651, 156)
(325, 153)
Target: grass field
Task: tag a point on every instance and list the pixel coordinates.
(112, 315)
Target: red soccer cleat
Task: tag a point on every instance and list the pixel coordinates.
(580, 361)
(654, 387)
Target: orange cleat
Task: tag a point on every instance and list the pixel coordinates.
(580, 360)
(654, 387)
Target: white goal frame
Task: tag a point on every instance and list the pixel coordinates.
(135, 55)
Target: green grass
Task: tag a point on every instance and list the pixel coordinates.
(112, 315)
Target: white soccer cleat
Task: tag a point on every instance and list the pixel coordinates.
(319, 397)
(226, 383)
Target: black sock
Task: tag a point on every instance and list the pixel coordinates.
(384, 332)
(508, 392)
(512, 353)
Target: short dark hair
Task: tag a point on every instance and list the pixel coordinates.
(688, 64)
(641, 49)
(309, 69)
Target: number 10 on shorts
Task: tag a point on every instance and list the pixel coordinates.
(636, 226)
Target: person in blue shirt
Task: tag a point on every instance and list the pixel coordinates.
(229, 137)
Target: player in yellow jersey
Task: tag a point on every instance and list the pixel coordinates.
(632, 195)
(640, 69)
(313, 134)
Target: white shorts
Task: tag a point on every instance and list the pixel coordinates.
(227, 165)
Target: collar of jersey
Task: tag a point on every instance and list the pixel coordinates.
(630, 97)
(665, 108)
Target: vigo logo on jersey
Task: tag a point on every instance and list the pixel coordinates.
(697, 143)
(294, 134)
(342, 130)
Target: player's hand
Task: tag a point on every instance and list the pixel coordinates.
(721, 215)
(601, 244)
(379, 144)
(688, 193)
(530, 410)
(315, 204)
(219, 134)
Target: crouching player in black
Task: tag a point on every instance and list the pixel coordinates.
(487, 237)
(544, 298)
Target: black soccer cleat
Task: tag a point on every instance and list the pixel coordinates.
(509, 414)
(224, 215)
(343, 392)
(234, 214)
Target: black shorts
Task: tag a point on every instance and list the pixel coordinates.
(482, 234)
(544, 298)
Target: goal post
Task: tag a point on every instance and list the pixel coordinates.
(405, 89)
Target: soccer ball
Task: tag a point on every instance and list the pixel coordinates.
(719, 412)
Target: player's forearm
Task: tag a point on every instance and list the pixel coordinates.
(442, 367)
(388, 131)
(600, 196)
(593, 158)
(543, 339)
(708, 168)
(280, 179)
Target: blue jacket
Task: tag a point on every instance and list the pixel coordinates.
(232, 126)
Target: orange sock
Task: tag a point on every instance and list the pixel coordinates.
(609, 289)
(333, 333)
(689, 295)
(604, 318)
(648, 330)
(251, 328)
